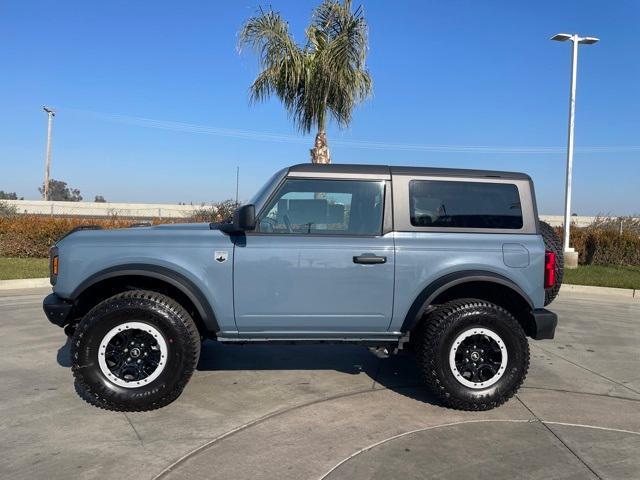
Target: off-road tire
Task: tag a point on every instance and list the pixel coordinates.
(553, 243)
(438, 332)
(162, 313)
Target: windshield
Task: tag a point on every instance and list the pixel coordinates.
(261, 195)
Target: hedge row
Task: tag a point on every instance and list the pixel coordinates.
(31, 236)
(605, 246)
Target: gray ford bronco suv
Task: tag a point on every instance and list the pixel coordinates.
(451, 265)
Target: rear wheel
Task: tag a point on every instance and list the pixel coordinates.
(473, 354)
(134, 351)
(553, 243)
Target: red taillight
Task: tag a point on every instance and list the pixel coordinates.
(549, 269)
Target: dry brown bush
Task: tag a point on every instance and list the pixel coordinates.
(604, 244)
(32, 236)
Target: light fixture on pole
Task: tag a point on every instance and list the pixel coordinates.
(570, 256)
(51, 113)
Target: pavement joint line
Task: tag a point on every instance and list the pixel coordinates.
(253, 423)
(595, 427)
(375, 376)
(524, 387)
(559, 439)
(177, 463)
(133, 428)
(418, 430)
(589, 370)
(560, 390)
(381, 373)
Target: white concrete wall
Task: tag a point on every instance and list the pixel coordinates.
(558, 220)
(93, 209)
(162, 210)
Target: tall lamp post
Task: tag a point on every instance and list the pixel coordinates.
(570, 255)
(51, 113)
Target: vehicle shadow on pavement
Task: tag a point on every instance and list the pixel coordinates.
(63, 356)
(396, 372)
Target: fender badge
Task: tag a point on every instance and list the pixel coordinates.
(221, 256)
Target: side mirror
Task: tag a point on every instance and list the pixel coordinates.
(244, 218)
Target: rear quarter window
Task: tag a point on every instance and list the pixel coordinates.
(448, 204)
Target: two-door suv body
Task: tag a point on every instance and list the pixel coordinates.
(450, 264)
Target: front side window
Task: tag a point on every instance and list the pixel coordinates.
(332, 207)
(261, 195)
(438, 203)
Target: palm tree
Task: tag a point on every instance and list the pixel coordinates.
(325, 78)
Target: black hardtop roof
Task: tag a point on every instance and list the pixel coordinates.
(352, 168)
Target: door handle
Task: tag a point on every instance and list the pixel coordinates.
(369, 259)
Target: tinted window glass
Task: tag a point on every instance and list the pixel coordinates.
(436, 203)
(325, 207)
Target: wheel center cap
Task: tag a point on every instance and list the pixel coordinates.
(135, 352)
(475, 356)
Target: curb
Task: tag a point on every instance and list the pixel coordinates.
(618, 292)
(24, 283)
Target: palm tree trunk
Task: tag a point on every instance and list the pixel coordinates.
(320, 151)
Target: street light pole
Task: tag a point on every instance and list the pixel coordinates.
(576, 40)
(237, 182)
(51, 113)
(570, 136)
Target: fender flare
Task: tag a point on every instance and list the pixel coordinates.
(435, 288)
(177, 280)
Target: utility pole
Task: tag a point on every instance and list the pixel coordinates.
(51, 113)
(237, 182)
(570, 255)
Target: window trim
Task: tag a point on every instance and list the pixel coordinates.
(402, 205)
(386, 212)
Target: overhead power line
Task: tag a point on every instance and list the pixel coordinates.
(361, 144)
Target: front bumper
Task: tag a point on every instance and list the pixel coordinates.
(544, 324)
(57, 309)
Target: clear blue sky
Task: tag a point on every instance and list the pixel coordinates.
(458, 73)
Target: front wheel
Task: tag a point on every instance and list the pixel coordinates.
(134, 351)
(473, 354)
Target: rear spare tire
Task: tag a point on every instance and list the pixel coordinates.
(553, 243)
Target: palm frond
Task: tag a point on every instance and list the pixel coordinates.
(327, 77)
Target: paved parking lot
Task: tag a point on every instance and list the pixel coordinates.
(293, 412)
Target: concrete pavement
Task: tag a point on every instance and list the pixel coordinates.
(329, 411)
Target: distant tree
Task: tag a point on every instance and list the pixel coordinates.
(99, 199)
(9, 195)
(217, 212)
(7, 210)
(225, 209)
(59, 191)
